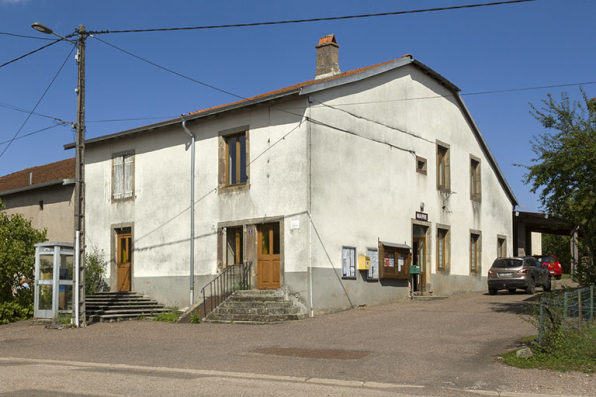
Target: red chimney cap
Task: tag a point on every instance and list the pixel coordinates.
(329, 39)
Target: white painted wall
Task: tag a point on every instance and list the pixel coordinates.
(360, 191)
(363, 190)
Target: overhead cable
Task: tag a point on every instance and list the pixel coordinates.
(376, 122)
(294, 21)
(30, 53)
(24, 36)
(168, 70)
(34, 132)
(37, 104)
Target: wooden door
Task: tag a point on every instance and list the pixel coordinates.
(268, 257)
(123, 260)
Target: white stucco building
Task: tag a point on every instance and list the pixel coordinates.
(384, 161)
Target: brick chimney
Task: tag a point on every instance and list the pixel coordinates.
(327, 57)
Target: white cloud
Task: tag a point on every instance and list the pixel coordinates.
(14, 1)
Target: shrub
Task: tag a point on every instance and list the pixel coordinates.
(95, 270)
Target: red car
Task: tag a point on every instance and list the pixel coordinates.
(552, 263)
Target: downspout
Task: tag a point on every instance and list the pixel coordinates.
(192, 212)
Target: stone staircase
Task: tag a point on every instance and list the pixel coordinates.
(116, 306)
(256, 307)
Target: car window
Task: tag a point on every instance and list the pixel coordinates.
(547, 259)
(507, 263)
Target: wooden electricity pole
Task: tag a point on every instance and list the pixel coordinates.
(80, 174)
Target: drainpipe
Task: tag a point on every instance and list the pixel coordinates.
(192, 212)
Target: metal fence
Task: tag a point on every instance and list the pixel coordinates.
(573, 310)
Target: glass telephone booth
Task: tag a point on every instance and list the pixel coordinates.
(54, 271)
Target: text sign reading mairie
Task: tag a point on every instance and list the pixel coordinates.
(421, 216)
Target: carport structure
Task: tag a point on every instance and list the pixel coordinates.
(524, 223)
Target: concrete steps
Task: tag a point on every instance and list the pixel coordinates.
(256, 307)
(116, 306)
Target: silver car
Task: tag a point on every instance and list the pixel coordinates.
(518, 273)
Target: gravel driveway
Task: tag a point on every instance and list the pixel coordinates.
(442, 344)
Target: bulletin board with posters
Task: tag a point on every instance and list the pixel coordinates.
(394, 260)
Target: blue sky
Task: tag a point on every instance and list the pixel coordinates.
(536, 44)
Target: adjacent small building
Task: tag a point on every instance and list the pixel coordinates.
(44, 195)
(339, 190)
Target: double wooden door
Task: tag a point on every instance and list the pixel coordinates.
(124, 260)
(268, 257)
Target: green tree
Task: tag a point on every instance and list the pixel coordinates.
(564, 170)
(17, 261)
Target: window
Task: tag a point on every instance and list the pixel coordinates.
(475, 252)
(421, 165)
(236, 159)
(475, 182)
(41, 205)
(443, 167)
(501, 246)
(442, 249)
(122, 176)
(348, 262)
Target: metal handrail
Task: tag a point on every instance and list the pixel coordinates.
(231, 279)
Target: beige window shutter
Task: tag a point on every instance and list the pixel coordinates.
(118, 174)
(128, 175)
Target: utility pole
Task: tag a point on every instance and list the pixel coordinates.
(79, 210)
(80, 174)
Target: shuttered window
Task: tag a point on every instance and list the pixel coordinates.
(123, 177)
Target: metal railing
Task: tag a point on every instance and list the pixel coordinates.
(231, 279)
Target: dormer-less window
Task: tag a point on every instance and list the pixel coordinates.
(122, 176)
(443, 167)
(236, 159)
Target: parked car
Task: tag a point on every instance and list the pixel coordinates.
(518, 273)
(552, 263)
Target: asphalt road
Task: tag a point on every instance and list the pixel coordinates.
(440, 348)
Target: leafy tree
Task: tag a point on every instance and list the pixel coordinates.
(17, 261)
(564, 170)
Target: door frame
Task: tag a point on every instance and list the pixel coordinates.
(258, 240)
(114, 230)
(427, 251)
(251, 243)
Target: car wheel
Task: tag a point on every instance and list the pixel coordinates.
(549, 286)
(531, 287)
(492, 291)
(558, 277)
(511, 290)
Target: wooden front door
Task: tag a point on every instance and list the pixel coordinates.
(268, 257)
(123, 260)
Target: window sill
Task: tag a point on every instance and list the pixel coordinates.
(240, 187)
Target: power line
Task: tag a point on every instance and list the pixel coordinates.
(34, 132)
(24, 36)
(469, 94)
(37, 104)
(168, 70)
(294, 21)
(30, 53)
(376, 122)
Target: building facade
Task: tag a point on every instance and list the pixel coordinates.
(383, 162)
(45, 196)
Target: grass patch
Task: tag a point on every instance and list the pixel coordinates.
(566, 276)
(169, 317)
(563, 358)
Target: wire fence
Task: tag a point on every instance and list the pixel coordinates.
(566, 323)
